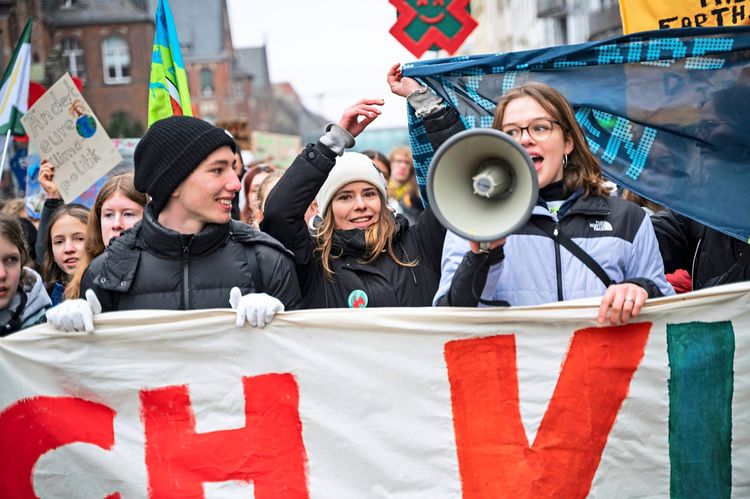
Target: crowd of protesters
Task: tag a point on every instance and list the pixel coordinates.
(192, 228)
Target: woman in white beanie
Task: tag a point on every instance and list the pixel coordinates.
(361, 255)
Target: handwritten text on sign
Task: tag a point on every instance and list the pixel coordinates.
(64, 130)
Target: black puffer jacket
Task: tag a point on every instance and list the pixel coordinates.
(385, 283)
(711, 257)
(151, 267)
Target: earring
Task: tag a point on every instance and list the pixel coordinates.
(565, 161)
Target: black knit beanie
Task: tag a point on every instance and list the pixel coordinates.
(170, 151)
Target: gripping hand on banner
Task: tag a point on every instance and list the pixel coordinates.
(621, 302)
(257, 308)
(75, 315)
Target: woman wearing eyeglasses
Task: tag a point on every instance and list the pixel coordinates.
(529, 267)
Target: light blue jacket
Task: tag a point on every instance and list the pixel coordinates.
(616, 233)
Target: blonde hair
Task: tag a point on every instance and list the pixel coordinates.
(582, 169)
(408, 192)
(265, 188)
(379, 238)
(15, 208)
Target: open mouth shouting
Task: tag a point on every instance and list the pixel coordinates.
(538, 160)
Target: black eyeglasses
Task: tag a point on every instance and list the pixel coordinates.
(539, 129)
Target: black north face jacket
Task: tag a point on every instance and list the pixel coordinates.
(151, 267)
(711, 257)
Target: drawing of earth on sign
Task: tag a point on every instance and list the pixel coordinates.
(85, 123)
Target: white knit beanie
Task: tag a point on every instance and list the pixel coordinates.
(350, 167)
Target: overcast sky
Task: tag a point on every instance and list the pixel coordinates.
(333, 52)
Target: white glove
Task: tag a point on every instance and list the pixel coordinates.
(75, 315)
(257, 308)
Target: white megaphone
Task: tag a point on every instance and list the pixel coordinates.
(482, 185)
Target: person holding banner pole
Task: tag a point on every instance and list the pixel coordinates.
(186, 253)
(361, 254)
(617, 252)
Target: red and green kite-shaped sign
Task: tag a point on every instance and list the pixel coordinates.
(423, 25)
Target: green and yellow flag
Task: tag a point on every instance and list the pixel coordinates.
(169, 94)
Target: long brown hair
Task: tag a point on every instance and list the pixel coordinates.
(246, 214)
(94, 242)
(11, 230)
(582, 169)
(379, 237)
(51, 272)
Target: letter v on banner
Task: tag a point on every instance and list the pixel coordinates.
(494, 456)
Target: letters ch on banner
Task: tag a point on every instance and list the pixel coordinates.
(268, 451)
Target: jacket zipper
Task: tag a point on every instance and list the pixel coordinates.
(185, 276)
(558, 265)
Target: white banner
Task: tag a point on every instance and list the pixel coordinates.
(438, 403)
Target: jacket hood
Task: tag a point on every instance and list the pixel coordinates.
(37, 301)
(37, 297)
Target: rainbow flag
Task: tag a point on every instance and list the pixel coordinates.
(169, 94)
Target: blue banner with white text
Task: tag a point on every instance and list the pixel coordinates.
(663, 111)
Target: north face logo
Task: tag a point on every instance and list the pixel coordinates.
(601, 226)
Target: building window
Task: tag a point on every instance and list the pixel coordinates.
(239, 89)
(116, 60)
(72, 54)
(67, 4)
(207, 82)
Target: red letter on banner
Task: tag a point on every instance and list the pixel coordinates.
(268, 451)
(33, 426)
(494, 456)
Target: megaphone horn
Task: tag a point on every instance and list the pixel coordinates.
(482, 185)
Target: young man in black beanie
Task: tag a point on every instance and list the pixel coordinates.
(186, 253)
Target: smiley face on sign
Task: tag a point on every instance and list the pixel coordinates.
(431, 14)
(423, 25)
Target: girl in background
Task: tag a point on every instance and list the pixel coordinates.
(65, 240)
(403, 193)
(249, 194)
(117, 208)
(380, 161)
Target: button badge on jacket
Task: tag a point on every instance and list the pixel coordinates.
(357, 299)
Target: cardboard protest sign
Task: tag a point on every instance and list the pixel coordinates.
(276, 148)
(64, 130)
(646, 15)
(440, 403)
